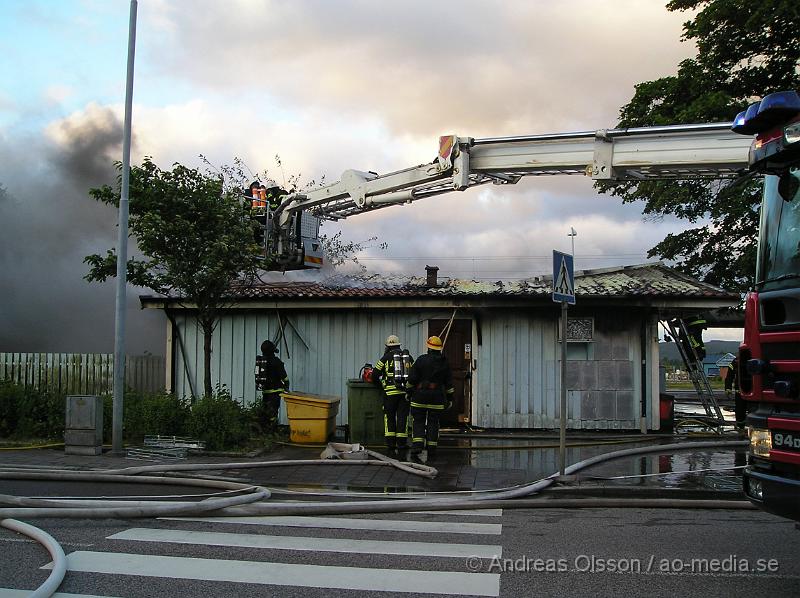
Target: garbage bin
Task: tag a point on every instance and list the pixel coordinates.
(666, 405)
(364, 412)
(312, 418)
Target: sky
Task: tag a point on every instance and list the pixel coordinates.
(327, 86)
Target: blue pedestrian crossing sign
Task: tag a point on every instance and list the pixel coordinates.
(563, 278)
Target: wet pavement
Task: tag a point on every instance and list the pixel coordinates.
(480, 461)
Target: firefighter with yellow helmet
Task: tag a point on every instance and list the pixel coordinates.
(391, 376)
(431, 389)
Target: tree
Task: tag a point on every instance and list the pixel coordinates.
(746, 50)
(196, 237)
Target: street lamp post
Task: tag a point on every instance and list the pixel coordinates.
(572, 233)
(122, 248)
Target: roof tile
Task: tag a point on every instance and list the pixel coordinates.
(650, 280)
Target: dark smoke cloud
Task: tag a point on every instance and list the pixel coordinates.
(48, 224)
(91, 147)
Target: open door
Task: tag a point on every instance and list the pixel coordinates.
(458, 352)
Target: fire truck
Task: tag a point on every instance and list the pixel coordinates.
(769, 357)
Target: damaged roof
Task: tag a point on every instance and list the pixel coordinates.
(653, 281)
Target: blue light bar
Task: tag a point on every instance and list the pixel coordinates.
(775, 109)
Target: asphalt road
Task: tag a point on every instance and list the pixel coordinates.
(553, 552)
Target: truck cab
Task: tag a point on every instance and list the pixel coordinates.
(769, 357)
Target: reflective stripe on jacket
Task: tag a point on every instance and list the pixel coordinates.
(383, 374)
(431, 382)
(271, 374)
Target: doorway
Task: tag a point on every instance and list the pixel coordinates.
(458, 350)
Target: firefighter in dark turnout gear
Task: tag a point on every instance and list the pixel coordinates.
(694, 328)
(275, 194)
(271, 380)
(431, 388)
(390, 374)
(732, 388)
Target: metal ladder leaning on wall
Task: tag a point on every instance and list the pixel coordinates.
(694, 365)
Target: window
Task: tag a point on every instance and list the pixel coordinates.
(579, 330)
(580, 334)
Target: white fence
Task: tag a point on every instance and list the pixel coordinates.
(81, 373)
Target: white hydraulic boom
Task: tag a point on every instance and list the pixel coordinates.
(679, 152)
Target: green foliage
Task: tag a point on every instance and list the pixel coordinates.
(220, 421)
(194, 231)
(746, 50)
(28, 413)
(196, 234)
(147, 414)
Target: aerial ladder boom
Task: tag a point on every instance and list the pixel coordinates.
(678, 152)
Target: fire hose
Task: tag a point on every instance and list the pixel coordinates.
(249, 499)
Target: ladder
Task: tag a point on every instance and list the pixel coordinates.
(694, 365)
(677, 152)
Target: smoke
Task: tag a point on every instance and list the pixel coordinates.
(48, 224)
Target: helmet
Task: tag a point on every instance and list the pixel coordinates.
(267, 347)
(434, 343)
(270, 184)
(392, 341)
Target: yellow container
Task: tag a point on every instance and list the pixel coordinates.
(312, 418)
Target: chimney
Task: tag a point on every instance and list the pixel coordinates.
(432, 272)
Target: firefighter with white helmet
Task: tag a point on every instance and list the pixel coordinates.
(275, 194)
(431, 389)
(391, 376)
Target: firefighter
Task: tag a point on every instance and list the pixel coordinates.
(431, 388)
(391, 376)
(258, 212)
(732, 389)
(275, 194)
(271, 380)
(254, 193)
(694, 328)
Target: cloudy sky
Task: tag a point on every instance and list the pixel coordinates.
(327, 85)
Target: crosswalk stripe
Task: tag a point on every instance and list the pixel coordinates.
(433, 549)
(9, 593)
(391, 525)
(285, 574)
(472, 512)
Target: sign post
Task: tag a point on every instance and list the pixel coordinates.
(563, 292)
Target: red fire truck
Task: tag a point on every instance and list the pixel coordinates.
(769, 357)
